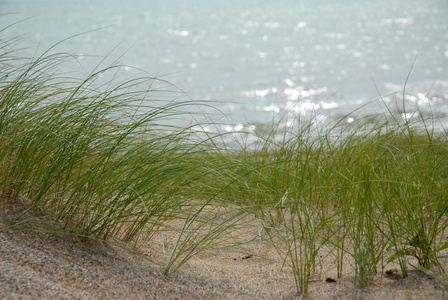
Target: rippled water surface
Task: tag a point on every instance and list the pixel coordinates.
(258, 58)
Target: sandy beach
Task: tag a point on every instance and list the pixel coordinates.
(39, 260)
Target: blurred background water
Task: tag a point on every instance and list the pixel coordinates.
(317, 59)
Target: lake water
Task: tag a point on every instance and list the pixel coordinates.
(254, 59)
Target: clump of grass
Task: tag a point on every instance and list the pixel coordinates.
(374, 192)
(105, 157)
(96, 155)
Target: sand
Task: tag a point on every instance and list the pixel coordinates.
(49, 263)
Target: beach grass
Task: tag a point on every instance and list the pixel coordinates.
(103, 158)
(378, 195)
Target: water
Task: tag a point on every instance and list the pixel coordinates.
(317, 59)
